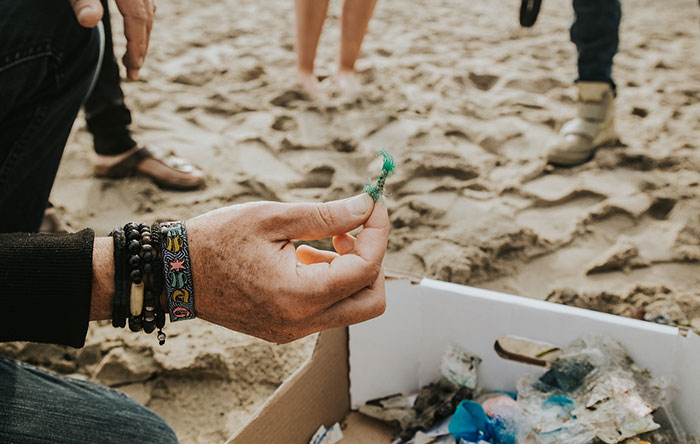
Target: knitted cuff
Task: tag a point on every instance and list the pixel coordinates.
(46, 286)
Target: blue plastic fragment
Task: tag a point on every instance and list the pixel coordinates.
(470, 424)
(563, 403)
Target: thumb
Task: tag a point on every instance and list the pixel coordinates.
(321, 220)
(88, 12)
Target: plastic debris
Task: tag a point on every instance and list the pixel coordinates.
(470, 424)
(566, 374)
(327, 436)
(593, 393)
(459, 367)
(388, 166)
(435, 402)
(397, 411)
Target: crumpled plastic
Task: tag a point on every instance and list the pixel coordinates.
(327, 436)
(459, 367)
(410, 414)
(592, 391)
(470, 424)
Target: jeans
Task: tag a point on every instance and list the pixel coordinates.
(37, 406)
(595, 32)
(47, 65)
(106, 115)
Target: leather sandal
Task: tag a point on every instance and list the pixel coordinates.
(129, 166)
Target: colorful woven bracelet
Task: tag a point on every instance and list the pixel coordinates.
(177, 271)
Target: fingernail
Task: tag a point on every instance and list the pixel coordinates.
(360, 205)
(85, 13)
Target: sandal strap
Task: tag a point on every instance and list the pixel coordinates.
(172, 161)
(127, 166)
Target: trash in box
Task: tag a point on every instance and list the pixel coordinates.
(592, 393)
(448, 360)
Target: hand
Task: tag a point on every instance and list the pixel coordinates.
(138, 22)
(249, 277)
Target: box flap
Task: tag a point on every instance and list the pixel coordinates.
(315, 394)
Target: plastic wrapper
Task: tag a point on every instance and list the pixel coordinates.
(594, 392)
(459, 367)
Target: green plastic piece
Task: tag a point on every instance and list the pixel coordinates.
(377, 191)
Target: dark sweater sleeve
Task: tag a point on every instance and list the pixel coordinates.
(46, 286)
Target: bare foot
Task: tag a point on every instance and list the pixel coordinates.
(311, 86)
(167, 171)
(348, 83)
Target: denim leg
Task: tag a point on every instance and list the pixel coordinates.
(37, 406)
(47, 64)
(106, 115)
(595, 32)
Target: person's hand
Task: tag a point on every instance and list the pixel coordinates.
(249, 277)
(138, 22)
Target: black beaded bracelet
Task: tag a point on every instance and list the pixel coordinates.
(148, 255)
(138, 278)
(133, 245)
(118, 306)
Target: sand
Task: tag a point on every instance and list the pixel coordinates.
(467, 101)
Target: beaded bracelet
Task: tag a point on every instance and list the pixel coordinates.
(179, 287)
(133, 245)
(147, 255)
(118, 307)
(138, 278)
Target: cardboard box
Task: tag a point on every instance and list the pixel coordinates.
(401, 351)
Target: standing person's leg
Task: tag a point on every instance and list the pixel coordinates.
(107, 116)
(108, 119)
(595, 32)
(47, 65)
(353, 28)
(40, 406)
(310, 15)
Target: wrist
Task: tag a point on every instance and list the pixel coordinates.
(102, 279)
(197, 259)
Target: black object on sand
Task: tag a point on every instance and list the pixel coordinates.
(529, 9)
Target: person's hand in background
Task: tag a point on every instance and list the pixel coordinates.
(249, 277)
(138, 22)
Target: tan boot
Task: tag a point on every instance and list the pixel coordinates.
(594, 126)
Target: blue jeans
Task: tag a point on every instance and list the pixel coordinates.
(595, 32)
(37, 406)
(47, 64)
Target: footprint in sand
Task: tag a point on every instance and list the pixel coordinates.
(540, 85)
(319, 176)
(284, 123)
(438, 164)
(483, 81)
(286, 98)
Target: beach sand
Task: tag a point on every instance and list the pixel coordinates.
(467, 101)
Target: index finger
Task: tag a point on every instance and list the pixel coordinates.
(137, 30)
(324, 284)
